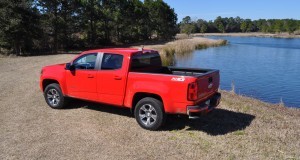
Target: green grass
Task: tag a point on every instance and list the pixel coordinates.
(239, 133)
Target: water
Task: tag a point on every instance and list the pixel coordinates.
(264, 68)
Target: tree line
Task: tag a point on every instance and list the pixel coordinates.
(39, 26)
(237, 24)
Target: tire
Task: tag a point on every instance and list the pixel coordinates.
(149, 113)
(54, 97)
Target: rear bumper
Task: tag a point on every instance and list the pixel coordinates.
(206, 106)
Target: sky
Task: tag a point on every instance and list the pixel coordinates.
(252, 9)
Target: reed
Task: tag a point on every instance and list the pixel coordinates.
(186, 46)
(232, 87)
(168, 55)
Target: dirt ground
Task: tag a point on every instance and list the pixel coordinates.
(241, 128)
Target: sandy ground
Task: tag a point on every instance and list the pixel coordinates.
(242, 128)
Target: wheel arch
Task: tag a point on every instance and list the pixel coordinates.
(46, 82)
(140, 95)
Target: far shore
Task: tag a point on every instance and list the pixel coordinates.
(251, 34)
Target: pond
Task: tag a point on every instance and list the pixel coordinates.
(264, 68)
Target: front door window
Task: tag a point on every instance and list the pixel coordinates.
(86, 62)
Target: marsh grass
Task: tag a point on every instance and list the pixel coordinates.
(183, 47)
(182, 36)
(232, 87)
(188, 45)
(281, 103)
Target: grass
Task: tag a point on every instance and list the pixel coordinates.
(239, 133)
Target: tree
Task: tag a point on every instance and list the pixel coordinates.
(238, 24)
(278, 25)
(247, 26)
(19, 26)
(92, 13)
(244, 26)
(290, 25)
(186, 20)
(233, 24)
(219, 24)
(50, 10)
(163, 19)
(201, 26)
(188, 29)
(53, 25)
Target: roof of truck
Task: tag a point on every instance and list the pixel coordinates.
(118, 50)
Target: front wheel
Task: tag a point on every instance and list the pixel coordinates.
(149, 113)
(54, 97)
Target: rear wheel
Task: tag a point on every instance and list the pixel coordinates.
(149, 113)
(54, 97)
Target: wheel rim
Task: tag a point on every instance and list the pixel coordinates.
(53, 97)
(147, 114)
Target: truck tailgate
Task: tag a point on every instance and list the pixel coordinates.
(208, 83)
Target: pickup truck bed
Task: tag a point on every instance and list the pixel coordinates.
(176, 71)
(207, 79)
(190, 71)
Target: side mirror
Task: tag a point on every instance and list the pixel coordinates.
(70, 67)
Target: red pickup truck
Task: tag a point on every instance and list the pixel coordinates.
(132, 78)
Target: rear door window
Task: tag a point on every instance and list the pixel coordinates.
(111, 61)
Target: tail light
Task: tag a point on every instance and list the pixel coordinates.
(192, 91)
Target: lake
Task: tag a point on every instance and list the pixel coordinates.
(264, 68)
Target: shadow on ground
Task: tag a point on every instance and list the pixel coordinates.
(218, 122)
(75, 104)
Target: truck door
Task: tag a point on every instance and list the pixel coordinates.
(82, 82)
(112, 79)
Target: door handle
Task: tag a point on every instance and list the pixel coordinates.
(90, 76)
(117, 78)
